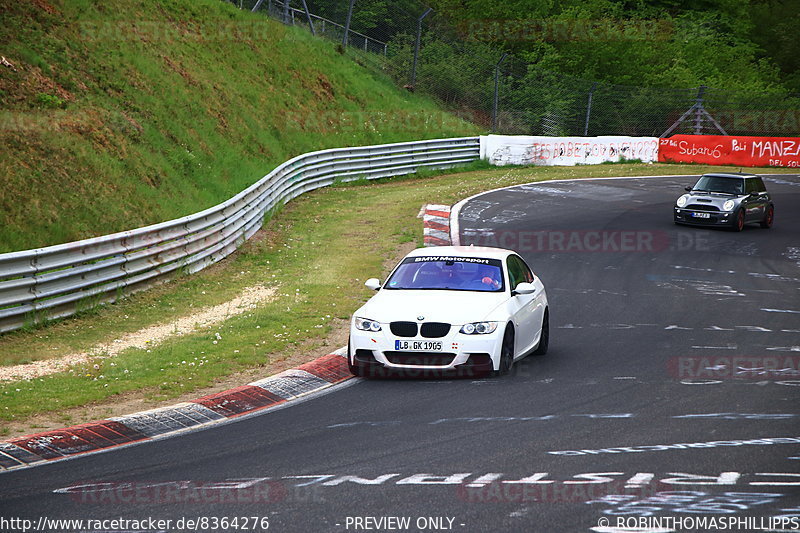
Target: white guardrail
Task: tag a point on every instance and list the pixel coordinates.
(58, 281)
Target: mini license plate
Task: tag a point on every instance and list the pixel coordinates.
(418, 346)
(701, 215)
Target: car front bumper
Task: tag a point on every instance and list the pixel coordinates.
(377, 353)
(715, 218)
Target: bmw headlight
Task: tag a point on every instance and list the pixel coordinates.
(479, 328)
(728, 205)
(682, 200)
(366, 324)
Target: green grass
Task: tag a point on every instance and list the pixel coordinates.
(318, 250)
(120, 117)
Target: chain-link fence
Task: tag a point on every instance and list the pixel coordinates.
(472, 78)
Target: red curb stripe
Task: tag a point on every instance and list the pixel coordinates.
(38, 445)
(443, 214)
(240, 400)
(70, 443)
(435, 225)
(116, 432)
(332, 368)
(86, 433)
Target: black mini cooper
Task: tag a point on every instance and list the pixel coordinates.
(729, 200)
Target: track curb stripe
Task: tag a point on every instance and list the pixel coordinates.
(146, 425)
(436, 225)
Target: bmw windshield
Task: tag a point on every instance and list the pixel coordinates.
(448, 273)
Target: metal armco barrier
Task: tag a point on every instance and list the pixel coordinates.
(58, 281)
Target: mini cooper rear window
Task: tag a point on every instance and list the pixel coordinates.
(448, 273)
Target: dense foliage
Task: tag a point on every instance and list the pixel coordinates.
(743, 45)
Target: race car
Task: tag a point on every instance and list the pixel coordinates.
(450, 309)
(729, 200)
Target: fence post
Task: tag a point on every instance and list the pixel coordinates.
(347, 23)
(496, 92)
(416, 47)
(308, 17)
(589, 109)
(286, 11)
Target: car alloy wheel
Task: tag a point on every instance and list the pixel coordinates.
(738, 222)
(768, 218)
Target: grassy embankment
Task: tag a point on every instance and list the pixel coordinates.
(119, 115)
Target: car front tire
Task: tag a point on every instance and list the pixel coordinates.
(355, 370)
(738, 220)
(544, 339)
(506, 353)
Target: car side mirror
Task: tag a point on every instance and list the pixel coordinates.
(687, 188)
(524, 288)
(373, 283)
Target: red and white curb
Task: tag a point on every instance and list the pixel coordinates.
(436, 225)
(263, 394)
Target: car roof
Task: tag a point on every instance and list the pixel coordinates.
(462, 251)
(737, 175)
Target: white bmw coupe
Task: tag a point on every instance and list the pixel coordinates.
(460, 309)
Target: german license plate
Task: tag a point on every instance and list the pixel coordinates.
(418, 346)
(701, 215)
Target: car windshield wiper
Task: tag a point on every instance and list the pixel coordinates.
(724, 192)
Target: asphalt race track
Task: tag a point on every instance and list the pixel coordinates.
(670, 392)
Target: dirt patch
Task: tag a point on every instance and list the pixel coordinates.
(44, 6)
(178, 68)
(326, 87)
(144, 338)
